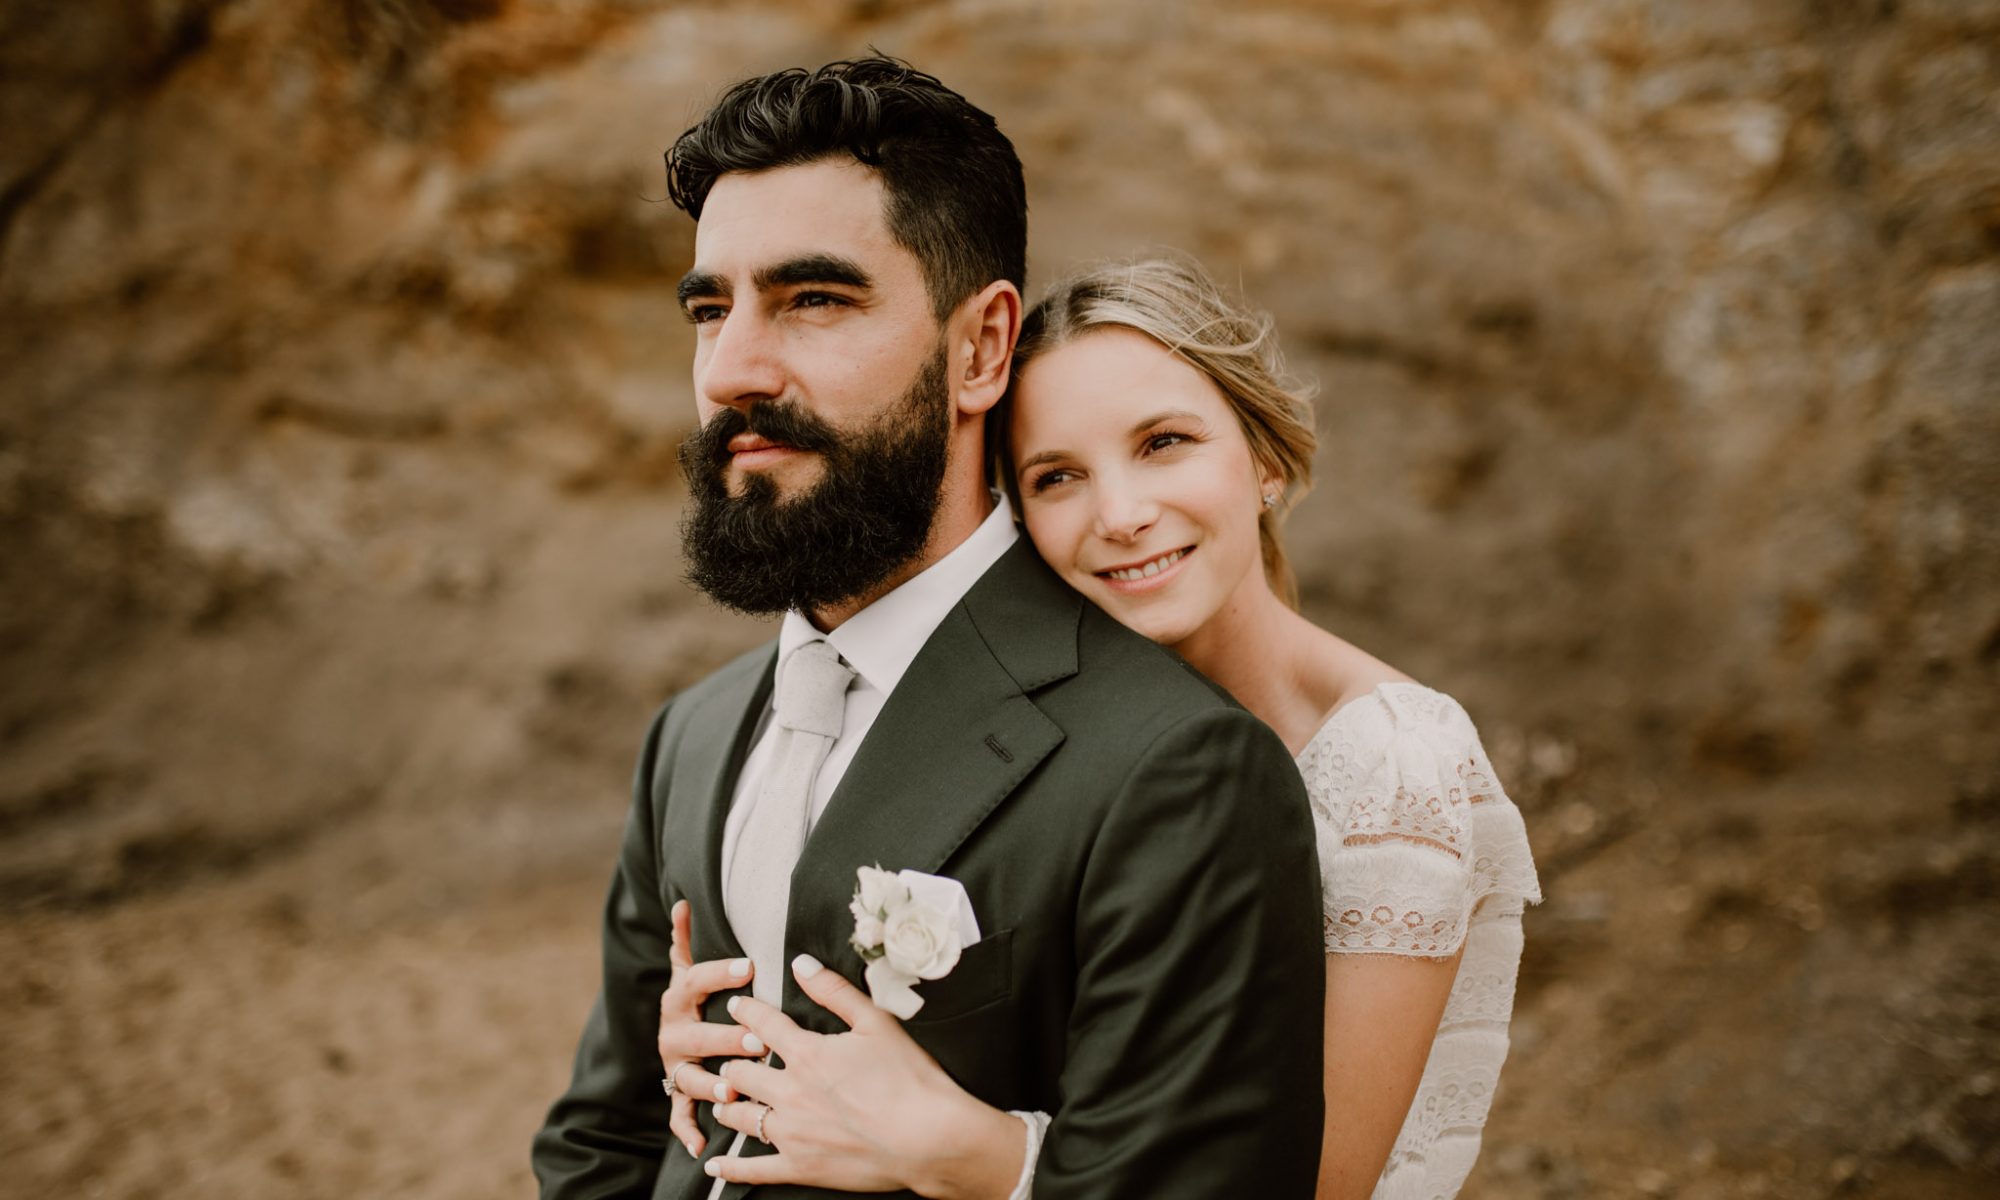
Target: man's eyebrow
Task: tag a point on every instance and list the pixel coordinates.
(813, 268)
(791, 272)
(701, 283)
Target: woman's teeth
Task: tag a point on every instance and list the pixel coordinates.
(1148, 570)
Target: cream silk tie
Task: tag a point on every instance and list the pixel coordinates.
(810, 703)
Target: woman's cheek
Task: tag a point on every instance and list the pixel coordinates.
(1045, 533)
(1049, 523)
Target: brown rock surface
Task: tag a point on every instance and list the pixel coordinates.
(339, 381)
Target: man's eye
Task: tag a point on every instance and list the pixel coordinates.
(702, 314)
(819, 300)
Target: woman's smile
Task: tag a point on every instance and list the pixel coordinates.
(1147, 575)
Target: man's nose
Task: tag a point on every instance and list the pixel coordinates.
(740, 364)
(1124, 512)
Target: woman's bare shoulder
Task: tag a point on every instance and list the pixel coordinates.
(1350, 673)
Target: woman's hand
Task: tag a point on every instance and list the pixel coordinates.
(686, 1039)
(863, 1111)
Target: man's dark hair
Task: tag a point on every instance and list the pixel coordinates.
(955, 195)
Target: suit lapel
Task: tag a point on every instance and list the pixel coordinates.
(707, 761)
(956, 737)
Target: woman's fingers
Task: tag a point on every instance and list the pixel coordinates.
(699, 1083)
(680, 1041)
(757, 1081)
(699, 981)
(743, 1115)
(834, 994)
(683, 1124)
(756, 1169)
(681, 955)
(770, 1026)
(684, 1038)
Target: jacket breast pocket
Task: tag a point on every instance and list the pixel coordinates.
(984, 974)
(970, 1021)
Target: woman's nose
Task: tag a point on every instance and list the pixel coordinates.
(1124, 512)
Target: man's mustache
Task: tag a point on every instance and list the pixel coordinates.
(776, 421)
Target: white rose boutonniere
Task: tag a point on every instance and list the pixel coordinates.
(908, 927)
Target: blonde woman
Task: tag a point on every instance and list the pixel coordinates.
(1152, 448)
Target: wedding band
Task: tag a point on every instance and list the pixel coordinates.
(761, 1114)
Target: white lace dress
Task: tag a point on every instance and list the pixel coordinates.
(1421, 853)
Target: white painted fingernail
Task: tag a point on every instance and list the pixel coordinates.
(753, 1043)
(722, 1093)
(805, 966)
(739, 967)
(712, 1167)
(733, 1002)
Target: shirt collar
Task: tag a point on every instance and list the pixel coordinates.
(881, 641)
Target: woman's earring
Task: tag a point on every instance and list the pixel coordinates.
(1270, 499)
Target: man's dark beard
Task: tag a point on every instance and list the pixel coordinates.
(869, 514)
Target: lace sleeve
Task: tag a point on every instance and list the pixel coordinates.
(1414, 830)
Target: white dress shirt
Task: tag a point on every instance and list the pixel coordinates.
(879, 642)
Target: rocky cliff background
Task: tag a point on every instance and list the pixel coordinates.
(1659, 352)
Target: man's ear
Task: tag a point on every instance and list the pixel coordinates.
(984, 331)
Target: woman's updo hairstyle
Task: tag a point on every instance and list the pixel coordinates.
(1174, 302)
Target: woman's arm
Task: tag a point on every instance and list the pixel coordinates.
(1382, 1012)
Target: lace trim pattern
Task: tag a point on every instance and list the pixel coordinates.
(1432, 817)
(1414, 829)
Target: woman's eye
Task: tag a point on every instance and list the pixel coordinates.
(1164, 441)
(1046, 480)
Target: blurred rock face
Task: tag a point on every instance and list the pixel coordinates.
(1660, 397)
(1654, 340)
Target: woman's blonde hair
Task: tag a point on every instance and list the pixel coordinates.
(1174, 302)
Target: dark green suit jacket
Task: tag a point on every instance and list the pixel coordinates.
(1140, 855)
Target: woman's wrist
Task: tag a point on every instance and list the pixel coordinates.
(980, 1153)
